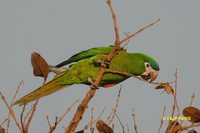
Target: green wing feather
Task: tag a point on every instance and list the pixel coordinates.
(85, 54)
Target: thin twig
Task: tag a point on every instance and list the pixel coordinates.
(80, 111)
(128, 130)
(128, 41)
(131, 75)
(139, 31)
(187, 127)
(172, 124)
(117, 38)
(17, 91)
(67, 111)
(52, 128)
(175, 105)
(134, 122)
(12, 102)
(113, 126)
(112, 114)
(173, 127)
(11, 111)
(4, 121)
(120, 122)
(122, 47)
(21, 117)
(89, 124)
(191, 102)
(48, 122)
(27, 115)
(176, 84)
(31, 115)
(92, 117)
(57, 121)
(130, 37)
(161, 123)
(192, 99)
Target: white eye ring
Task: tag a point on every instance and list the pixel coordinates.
(147, 65)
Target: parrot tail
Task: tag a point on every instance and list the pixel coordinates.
(46, 89)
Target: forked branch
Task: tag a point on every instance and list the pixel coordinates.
(82, 107)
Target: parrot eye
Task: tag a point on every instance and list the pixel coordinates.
(147, 65)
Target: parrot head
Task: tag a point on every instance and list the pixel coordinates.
(151, 68)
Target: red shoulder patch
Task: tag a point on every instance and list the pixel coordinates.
(109, 85)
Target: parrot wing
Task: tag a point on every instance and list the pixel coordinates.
(85, 54)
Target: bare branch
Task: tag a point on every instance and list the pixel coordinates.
(120, 122)
(191, 102)
(17, 91)
(11, 111)
(57, 121)
(80, 111)
(139, 31)
(21, 117)
(117, 38)
(187, 127)
(192, 99)
(128, 41)
(131, 75)
(112, 114)
(175, 105)
(67, 111)
(31, 115)
(4, 121)
(12, 102)
(48, 122)
(29, 112)
(128, 130)
(89, 124)
(52, 128)
(92, 115)
(161, 123)
(134, 122)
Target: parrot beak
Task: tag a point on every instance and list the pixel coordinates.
(150, 75)
(153, 75)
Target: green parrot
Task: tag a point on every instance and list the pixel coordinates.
(85, 69)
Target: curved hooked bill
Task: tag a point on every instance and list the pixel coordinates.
(150, 75)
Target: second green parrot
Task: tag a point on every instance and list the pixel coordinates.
(86, 68)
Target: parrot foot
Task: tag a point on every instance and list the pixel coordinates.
(56, 70)
(93, 85)
(103, 63)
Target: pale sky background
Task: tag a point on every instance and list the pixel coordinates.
(58, 29)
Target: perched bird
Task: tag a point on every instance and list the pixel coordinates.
(85, 68)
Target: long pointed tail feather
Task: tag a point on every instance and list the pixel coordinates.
(47, 89)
